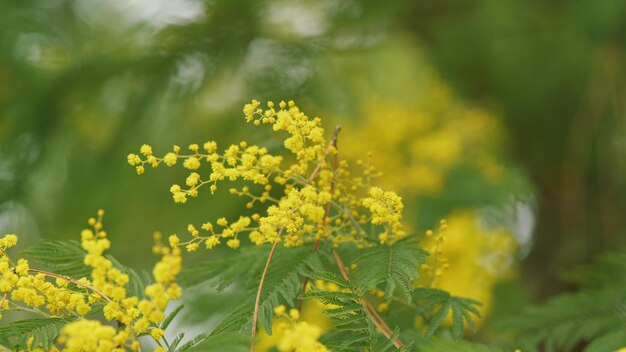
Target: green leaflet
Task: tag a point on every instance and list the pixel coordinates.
(439, 344)
(168, 320)
(608, 270)
(66, 258)
(395, 265)
(283, 285)
(233, 341)
(44, 331)
(595, 315)
(353, 330)
(611, 341)
(60, 257)
(436, 304)
(219, 273)
(566, 320)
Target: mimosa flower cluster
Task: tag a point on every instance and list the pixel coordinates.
(136, 315)
(53, 295)
(386, 208)
(27, 289)
(306, 196)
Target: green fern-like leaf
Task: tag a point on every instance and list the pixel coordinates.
(436, 305)
(353, 330)
(43, 330)
(608, 270)
(395, 265)
(594, 316)
(283, 284)
(168, 320)
(61, 257)
(439, 344)
(220, 273)
(174, 344)
(569, 319)
(66, 258)
(233, 341)
(611, 341)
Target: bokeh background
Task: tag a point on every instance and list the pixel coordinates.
(508, 118)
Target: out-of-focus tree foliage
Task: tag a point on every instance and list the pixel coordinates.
(556, 69)
(80, 83)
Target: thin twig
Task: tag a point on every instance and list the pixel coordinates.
(255, 316)
(33, 310)
(333, 143)
(374, 314)
(74, 281)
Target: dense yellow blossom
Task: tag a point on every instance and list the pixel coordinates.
(88, 336)
(24, 287)
(386, 209)
(135, 315)
(8, 241)
(306, 139)
(305, 197)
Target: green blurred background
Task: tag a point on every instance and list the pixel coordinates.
(524, 103)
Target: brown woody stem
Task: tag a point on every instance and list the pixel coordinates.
(255, 316)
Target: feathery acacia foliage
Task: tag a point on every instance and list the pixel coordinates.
(393, 265)
(283, 285)
(438, 344)
(354, 330)
(19, 335)
(435, 305)
(67, 258)
(593, 317)
(61, 257)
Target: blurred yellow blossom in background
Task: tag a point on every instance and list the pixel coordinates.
(419, 144)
